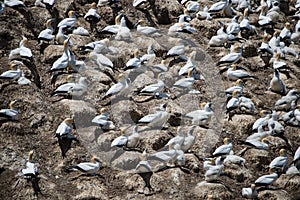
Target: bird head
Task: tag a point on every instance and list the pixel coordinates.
(263, 113)
(118, 19)
(227, 140)
(103, 111)
(265, 38)
(202, 105)
(278, 56)
(69, 120)
(161, 76)
(141, 22)
(276, 33)
(246, 12)
(265, 141)
(106, 41)
(287, 25)
(70, 78)
(282, 152)
(190, 73)
(71, 14)
(233, 66)
(48, 23)
(94, 5)
(95, 159)
(193, 55)
(136, 53)
(12, 104)
(30, 155)
(186, 11)
(14, 66)
(164, 62)
(236, 48)
(235, 93)
(252, 186)
(263, 9)
(239, 82)
(121, 77)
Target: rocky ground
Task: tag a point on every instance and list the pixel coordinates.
(40, 114)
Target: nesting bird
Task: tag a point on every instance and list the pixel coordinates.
(233, 57)
(90, 168)
(276, 84)
(156, 120)
(102, 120)
(11, 113)
(92, 16)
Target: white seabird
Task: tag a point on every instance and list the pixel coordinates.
(62, 62)
(277, 64)
(158, 119)
(234, 74)
(14, 3)
(60, 37)
(156, 88)
(258, 144)
(149, 57)
(266, 180)
(22, 50)
(263, 121)
(65, 127)
(146, 30)
(79, 88)
(123, 31)
(224, 149)
(186, 83)
(260, 134)
(102, 120)
(68, 22)
(204, 14)
(119, 88)
(179, 139)
(285, 33)
(190, 64)
(134, 62)
(11, 113)
(285, 102)
(233, 27)
(144, 169)
(162, 67)
(113, 29)
(264, 20)
(213, 173)
(233, 57)
(87, 167)
(64, 88)
(280, 162)
(234, 102)
(239, 85)
(177, 50)
(265, 47)
(192, 6)
(13, 74)
(250, 193)
(276, 84)
(201, 117)
(47, 34)
(245, 25)
(189, 140)
(246, 104)
(129, 141)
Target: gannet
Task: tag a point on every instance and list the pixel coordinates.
(186, 83)
(189, 140)
(87, 167)
(121, 140)
(112, 29)
(134, 62)
(185, 17)
(62, 62)
(245, 25)
(185, 28)
(92, 14)
(79, 89)
(31, 173)
(250, 193)
(277, 64)
(11, 113)
(179, 139)
(81, 31)
(22, 50)
(295, 37)
(264, 20)
(125, 140)
(265, 47)
(278, 128)
(285, 34)
(177, 50)
(280, 162)
(258, 144)
(47, 34)
(174, 154)
(276, 84)
(224, 149)
(234, 159)
(239, 85)
(190, 64)
(261, 133)
(246, 104)
(147, 30)
(220, 40)
(102, 60)
(100, 46)
(204, 14)
(203, 116)
(162, 67)
(13, 74)
(68, 22)
(60, 37)
(213, 173)
(292, 117)
(23, 80)
(274, 13)
(158, 119)
(263, 121)
(233, 57)
(267, 179)
(218, 7)
(123, 31)
(192, 6)
(49, 4)
(14, 3)
(119, 88)
(144, 169)
(64, 88)
(149, 57)
(234, 102)
(297, 155)
(102, 120)
(65, 127)
(156, 88)
(208, 163)
(285, 102)
(233, 27)
(234, 74)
